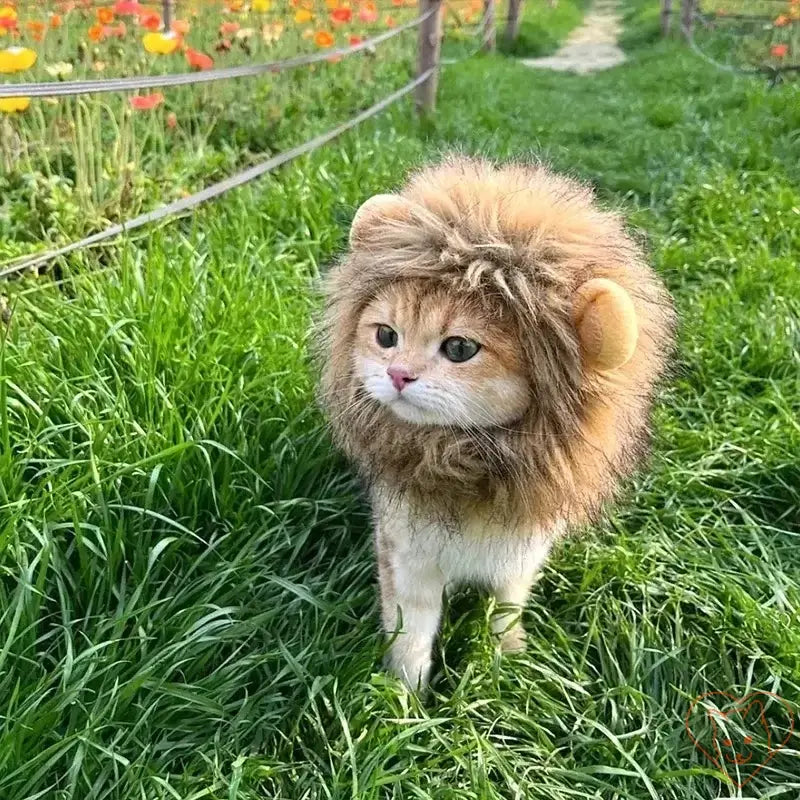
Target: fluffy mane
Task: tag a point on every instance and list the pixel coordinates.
(519, 240)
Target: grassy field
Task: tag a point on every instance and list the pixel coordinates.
(187, 603)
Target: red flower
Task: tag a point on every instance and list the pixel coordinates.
(128, 8)
(198, 60)
(354, 40)
(146, 102)
(779, 50)
(151, 21)
(228, 28)
(368, 13)
(341, 15)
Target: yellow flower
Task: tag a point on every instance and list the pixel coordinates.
(9, 105)
(16, 59)
(303, 15)
(161, 43)
(262, 5)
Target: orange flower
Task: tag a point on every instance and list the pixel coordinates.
(781, 20)
(181, 27)
(56, 21)
(234, 5)
(779, 50)
(397, 3)
(341, 15)
(198, 60)
(96, 33)
(303, 15)
(332, 4)
(228, 28)
(105, 16)
(323, 39)
(36, 30)
(151, 21)
(390, 22)
(146, 102)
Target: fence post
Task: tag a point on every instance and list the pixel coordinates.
(514, 16)
(430, 43)
(687, 17)
(666, 16)
(167, 15)
(489, 27)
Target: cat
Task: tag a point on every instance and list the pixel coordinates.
(491, 345)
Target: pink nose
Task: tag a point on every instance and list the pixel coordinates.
(401, 377)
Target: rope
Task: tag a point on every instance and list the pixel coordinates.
(216, 189)
(60, 89)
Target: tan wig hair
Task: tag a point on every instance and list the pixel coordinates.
(593, 321)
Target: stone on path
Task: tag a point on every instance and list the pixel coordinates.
(590, 47)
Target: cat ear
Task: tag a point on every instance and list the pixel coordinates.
(372, 211)
(605, 319)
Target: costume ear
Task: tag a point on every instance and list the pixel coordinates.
(605, 319)
(372, 211)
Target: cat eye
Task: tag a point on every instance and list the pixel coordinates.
(459, 349)
(386, 336)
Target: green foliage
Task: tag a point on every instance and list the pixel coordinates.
(544, 25)
(187, 606)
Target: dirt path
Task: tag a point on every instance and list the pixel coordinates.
(590, 47)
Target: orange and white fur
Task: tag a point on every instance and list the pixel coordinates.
(492, 342)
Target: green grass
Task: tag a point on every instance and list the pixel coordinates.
(187, 604)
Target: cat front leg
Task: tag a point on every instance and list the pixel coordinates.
(411, 606)
(511, 592)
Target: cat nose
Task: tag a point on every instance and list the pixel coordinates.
(401, 377)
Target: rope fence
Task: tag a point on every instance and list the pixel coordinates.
(429, 62)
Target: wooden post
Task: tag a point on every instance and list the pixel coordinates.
(514, 18)
(666, 16)
(687, 17)
(430, 43)
(489, 27)
(167, 15)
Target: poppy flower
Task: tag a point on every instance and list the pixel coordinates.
(303, 15)
(151, 21)
(390, 22)
(228, 28)
(181, 27)
(146, 102)
(59, 70)
(780, 21)
(97, 33)
(16, 59)
(397, 3)
(128, 8)
(8, 18)
(261, 5)
(271, 32)
(368, 13)
(354, 40)
(323, 39)
(9, 105)
(234, 5)
(115, 31)
(198, 60)
(341, 15)
(779, 50)
(105, 16)
(36, 30)
(56, 21)
(162, 44)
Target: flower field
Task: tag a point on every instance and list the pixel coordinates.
(71, 165)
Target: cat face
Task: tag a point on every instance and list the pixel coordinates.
(434, 359)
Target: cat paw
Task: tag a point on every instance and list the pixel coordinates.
(411, 668)
(513, 640)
